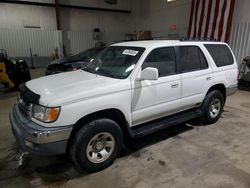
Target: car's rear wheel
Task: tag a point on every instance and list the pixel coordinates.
(212, 107)
(96, 145)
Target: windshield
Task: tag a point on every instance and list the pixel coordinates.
(88, 54)
(115, 61)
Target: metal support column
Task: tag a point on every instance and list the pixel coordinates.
(58, 20)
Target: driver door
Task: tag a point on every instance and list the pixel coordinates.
(153, 99)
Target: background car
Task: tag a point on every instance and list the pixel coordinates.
(74, 62)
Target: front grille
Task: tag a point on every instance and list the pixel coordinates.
(24, 105)
(25, 99)
(27, 95)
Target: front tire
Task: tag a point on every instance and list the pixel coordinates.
(212, 107)
(96, 145)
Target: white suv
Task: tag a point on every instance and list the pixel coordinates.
(130, 90)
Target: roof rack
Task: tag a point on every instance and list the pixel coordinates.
(199, 39)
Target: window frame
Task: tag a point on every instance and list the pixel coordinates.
(180, 63)
(175, 56)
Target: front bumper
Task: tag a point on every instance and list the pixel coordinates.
(37, 139)
(231, 90)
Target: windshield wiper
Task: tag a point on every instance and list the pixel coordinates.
(109, 73)
(102, 71)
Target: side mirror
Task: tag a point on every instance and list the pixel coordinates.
(150, 73)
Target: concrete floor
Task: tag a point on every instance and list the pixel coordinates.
(187, 155)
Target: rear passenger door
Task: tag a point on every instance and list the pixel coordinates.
(196, 75)
(152, 99)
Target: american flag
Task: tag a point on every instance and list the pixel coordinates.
(211, 19)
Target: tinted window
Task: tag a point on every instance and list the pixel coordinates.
(221, 54)
(163, 59)
(192, 59)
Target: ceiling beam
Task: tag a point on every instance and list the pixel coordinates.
(63, 6)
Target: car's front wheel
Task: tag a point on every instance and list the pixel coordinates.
(96, 145)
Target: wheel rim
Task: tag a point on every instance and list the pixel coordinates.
(100, 147)
(215, 108)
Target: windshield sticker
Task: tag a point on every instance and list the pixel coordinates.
(130, 52)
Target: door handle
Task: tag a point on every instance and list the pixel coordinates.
(174, 85)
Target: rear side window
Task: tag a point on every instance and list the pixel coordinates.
(221, 54)
(163, 59)
(192, 59)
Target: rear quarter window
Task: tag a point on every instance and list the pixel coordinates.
(221, 54)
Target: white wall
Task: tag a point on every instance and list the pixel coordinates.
(77, 24)
(114, 25)
(18, 16)
(154, 15)
(158, 16)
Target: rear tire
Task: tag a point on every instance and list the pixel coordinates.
(96, 145)
(212, 107)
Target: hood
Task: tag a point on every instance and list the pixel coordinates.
(58, 89)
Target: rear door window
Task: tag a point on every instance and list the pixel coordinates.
(221, 54)
(192, 59)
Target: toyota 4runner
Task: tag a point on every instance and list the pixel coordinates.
(130, 90)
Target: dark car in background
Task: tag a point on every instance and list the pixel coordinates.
(74, 62)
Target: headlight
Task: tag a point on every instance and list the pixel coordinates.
(45, 114)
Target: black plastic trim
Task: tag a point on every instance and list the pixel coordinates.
(177, 57)
(28, 95)
(162, 123)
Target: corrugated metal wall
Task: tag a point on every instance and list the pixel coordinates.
(17, 42)
(240, 40)
(77, 41)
